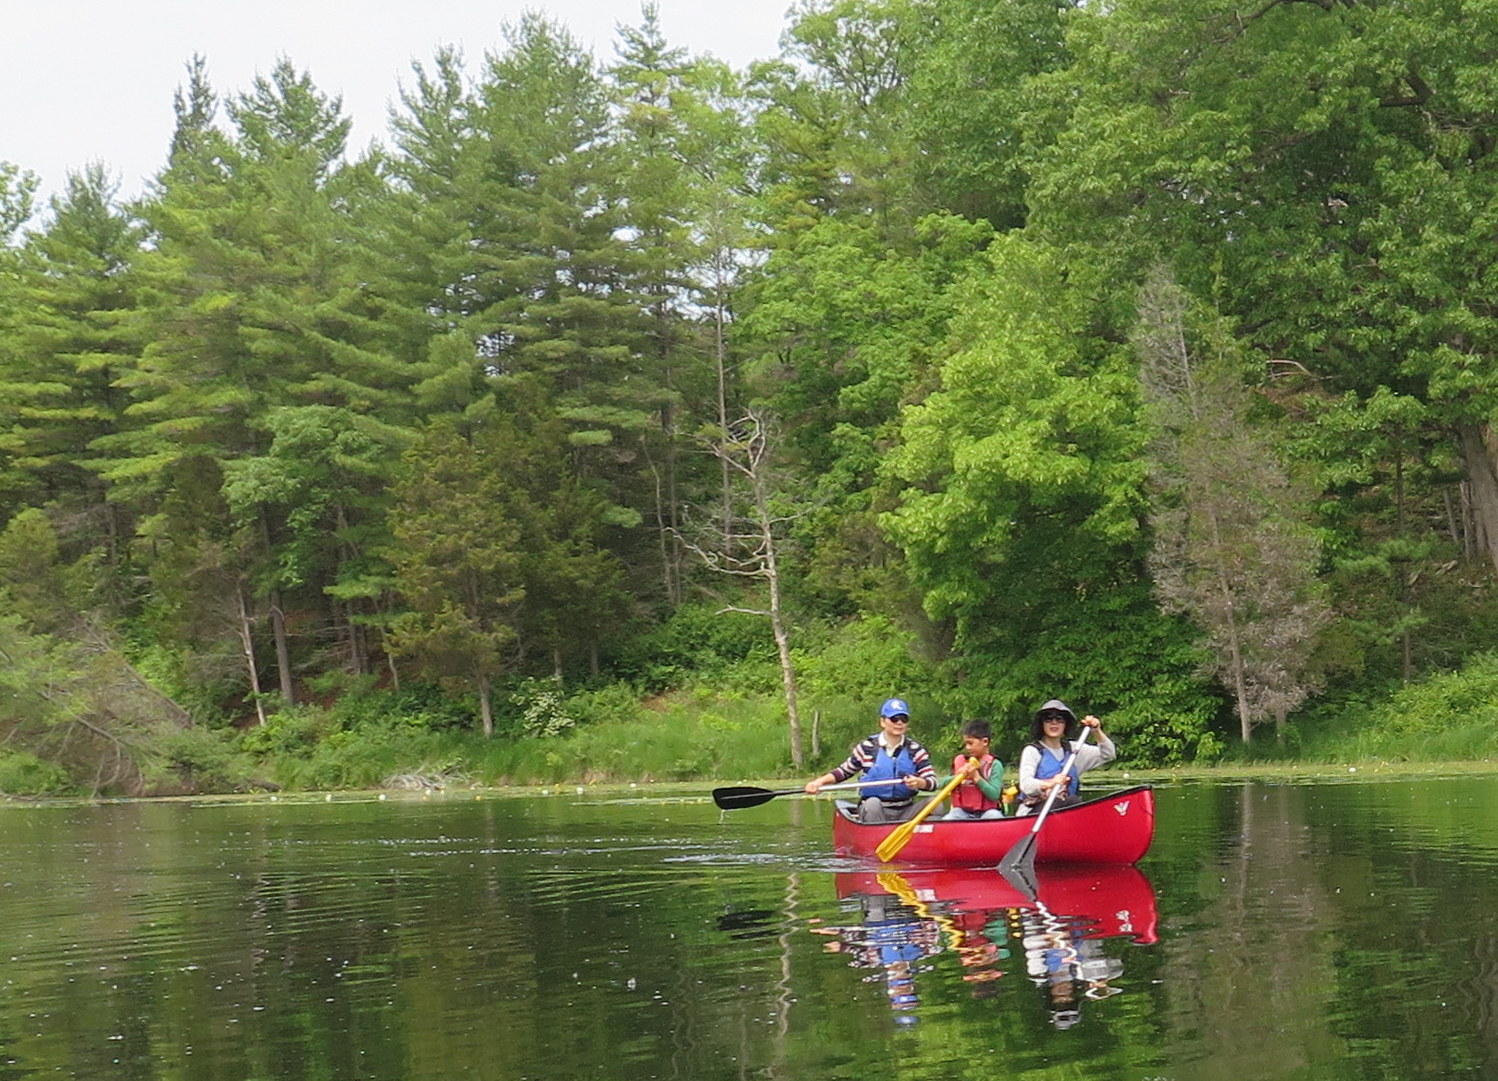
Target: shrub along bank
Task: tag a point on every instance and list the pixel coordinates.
(611, 735)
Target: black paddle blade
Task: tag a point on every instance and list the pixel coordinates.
(732, 799)
(1020, 858)
(1022, 878)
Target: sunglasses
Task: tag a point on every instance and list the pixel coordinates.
(900, 719)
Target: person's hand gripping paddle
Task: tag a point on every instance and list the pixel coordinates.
(1021, 856)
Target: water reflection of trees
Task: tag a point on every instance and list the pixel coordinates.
(1332, 932)
(1251, 974)
(1339, 934)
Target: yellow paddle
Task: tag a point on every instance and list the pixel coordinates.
(890, 847)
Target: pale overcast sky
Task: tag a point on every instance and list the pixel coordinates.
(92, 80)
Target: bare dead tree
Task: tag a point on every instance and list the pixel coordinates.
(247, 646)
(1233, 549)
(747, 541)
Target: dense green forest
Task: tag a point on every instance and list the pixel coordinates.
(973, 350)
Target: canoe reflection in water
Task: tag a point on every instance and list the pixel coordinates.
(1058, 926)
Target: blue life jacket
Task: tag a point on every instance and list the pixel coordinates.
(1050, 765)
(885, 767)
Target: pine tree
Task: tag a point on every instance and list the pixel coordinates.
(560, 311)
(683, 156)
(70, 342)
(457, 558)
(250, 307)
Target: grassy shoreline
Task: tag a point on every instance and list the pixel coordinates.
(703, 737)
(700, 790)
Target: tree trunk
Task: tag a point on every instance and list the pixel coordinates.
(1235, 665)
(667, 531)
(283, 648)
(670, 495)
(395, 673)
(1481, 456)
(1240, 692)
(777, 624)
(247, 642)
(720, 355)
(787, 677)
(486, 707)
(347, 611)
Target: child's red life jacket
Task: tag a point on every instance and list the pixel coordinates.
(968, 795)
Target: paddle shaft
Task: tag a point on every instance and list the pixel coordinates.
(890, 847)
(738, 798)
(1024, 849)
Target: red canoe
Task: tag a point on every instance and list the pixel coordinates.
(1112, 829)
(1116, 900)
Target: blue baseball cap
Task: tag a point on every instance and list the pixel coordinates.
(894, 707)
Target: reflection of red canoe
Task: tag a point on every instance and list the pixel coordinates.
(1112, 900)
(1113, 829)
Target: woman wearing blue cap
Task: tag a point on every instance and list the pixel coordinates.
(888, 755)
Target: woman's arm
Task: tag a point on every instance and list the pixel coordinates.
(1092, 755)
(1029, 758)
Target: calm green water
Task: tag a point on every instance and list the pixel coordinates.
(1332, 931)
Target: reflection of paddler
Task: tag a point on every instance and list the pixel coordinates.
(892, 938)
(893, 934)
(896, 884)
(1058, 957)
(979, 913)
(964, 930)
(977, 950)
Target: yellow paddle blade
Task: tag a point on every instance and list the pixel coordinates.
(890, 847)
(895, 883)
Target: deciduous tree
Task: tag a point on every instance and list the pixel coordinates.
(1233, 547)
(1021, 503)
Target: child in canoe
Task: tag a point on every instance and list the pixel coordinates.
(981, 795)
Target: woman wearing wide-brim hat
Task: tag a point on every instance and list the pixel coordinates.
(1054, 732)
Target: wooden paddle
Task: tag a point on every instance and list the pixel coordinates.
(732, 799)
(1021, 856)
(890, 847)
